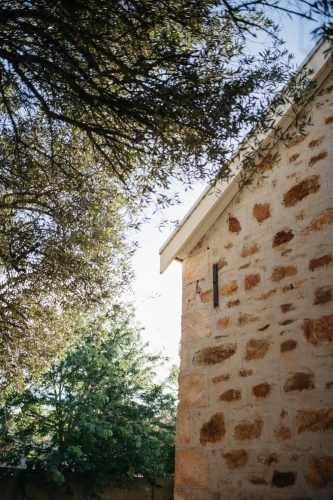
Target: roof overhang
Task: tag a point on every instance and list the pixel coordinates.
(216, 198)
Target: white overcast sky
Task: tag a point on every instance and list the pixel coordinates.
(158, 297)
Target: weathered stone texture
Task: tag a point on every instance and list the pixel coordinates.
(287, 307)
(261, 212)
(249, 250)
(196, 267)
(223, 323)
(299, 382)
(297, 140)
(192, 391)
(195, 325)
(180, 494)
(231, 395)
(322, 295)
(236, 459)
(246, 319)
(320, 471)
(322, 261)
(183, 434)
(282, 237)
(313, 420)
(221, 378)
(229, 289)
(283, 479)
(255, 415)
(256, 349)
(283, 432)
(233, 303)
(324, 220)
(316, 142)
(288, 345)
(213, 355)
(192, 468)
(189, 295)
(213, 430)
(247, 430)
(318, 331)
(316, 158)
(301, 190)
(262, 390)
(281, 272)
(251, 281)
(234, 225)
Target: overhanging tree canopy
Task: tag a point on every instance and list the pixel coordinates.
(159, 88)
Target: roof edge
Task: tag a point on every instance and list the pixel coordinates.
(225, 190)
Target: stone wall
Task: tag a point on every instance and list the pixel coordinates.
(255, 417)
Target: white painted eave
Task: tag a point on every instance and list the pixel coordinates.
(216, 198)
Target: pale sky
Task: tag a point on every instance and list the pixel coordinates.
(158, 297)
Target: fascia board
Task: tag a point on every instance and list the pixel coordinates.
(216, 198)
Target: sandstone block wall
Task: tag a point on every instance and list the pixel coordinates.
(255, 417)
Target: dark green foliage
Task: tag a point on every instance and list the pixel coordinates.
(159, 89)
(98, 412)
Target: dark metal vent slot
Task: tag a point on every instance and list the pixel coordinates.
(215, 285)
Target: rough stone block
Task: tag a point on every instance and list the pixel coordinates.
(251, 281)
(246, 319)
(206, 296)
(319, 223)
(196, 267)
(189, 296)
(262, 391)
(184, 358)
(299, 381)
(322, 295)
(301, 190)
(281, 272)
(183, 432)
(318, 331)
(322, 261)
(192, 468)
(288, 345)
(180, 494)
(192, 391)
(214, 354)
(223, 323)
(282, 432)
(282, 479)
(236, 459)
(282, 237)
(261, 212)
(320, 471)
(314, 420)
(213, 430)
(249, 249)
(234, 225)
(195, 325)
(247, 430)
(256, 349)
(228, 289)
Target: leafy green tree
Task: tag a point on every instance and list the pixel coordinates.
(63, 248)
(102, 104)
(99, 412)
